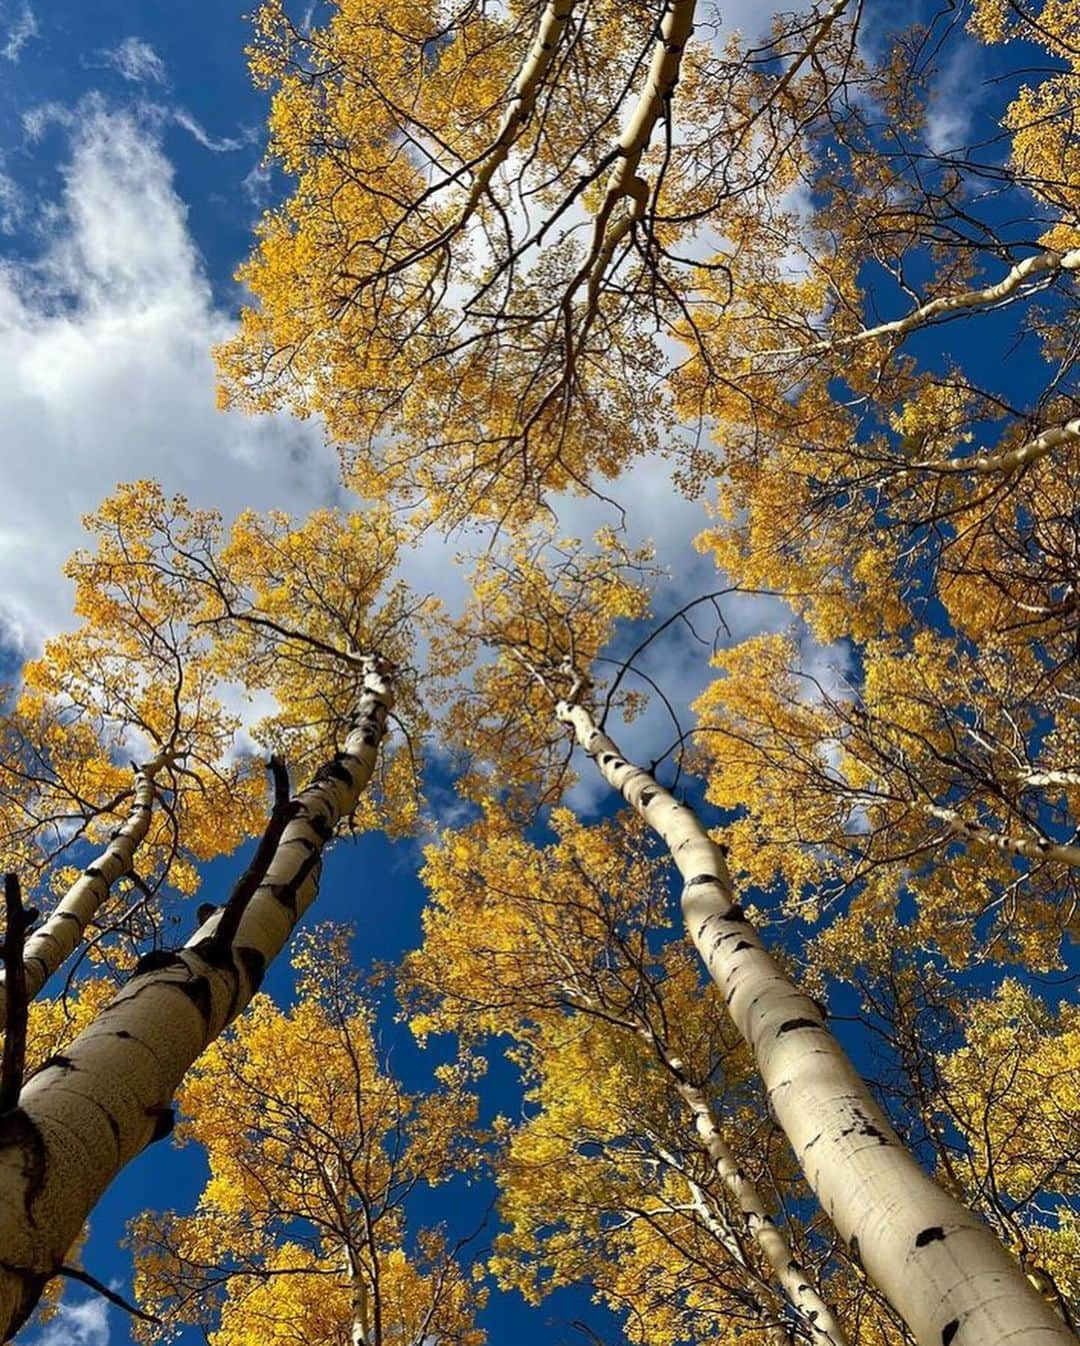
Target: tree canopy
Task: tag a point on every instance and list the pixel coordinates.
(521, 250)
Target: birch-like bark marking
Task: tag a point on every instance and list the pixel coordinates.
(1031, 849)
(60, 934)
(938, 1265)
(85, 1114)
(1010, 460)
(797, 1284)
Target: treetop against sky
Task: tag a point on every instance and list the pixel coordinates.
(469, 463)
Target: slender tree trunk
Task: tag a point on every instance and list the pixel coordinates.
(1008, 461)
(797, 1283)
(937, 1263)
(53, 943)
(530, 79)
(359, 1332)
(1031, 849)
(85, 1114)
(716, 1222)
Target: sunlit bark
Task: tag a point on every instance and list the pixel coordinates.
(938, 1265)
(58, 936)
(85, 1114)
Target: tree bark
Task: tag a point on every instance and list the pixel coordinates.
(85, 1114)
(53, 943)
(1039, 848)
(797, 1283)
(527, 85)
(937, 1263)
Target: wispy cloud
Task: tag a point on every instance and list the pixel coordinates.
(137, 61)
(219, 145)
(24, 27)
(258, 185)
(12, 204)
(82, 1324)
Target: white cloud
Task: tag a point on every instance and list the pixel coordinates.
(37, 120)
(258, 185)
(83, 1324)
(11, 203)
(22, 29)
(954, 100)
(137, 61)
(105, 373)
(219, 145)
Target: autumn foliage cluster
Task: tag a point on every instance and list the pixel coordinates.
(521, 252)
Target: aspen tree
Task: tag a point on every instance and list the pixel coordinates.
(880, 1200)
(517, 932)
(90, 1109)
(83, 1115)
(316, 1152)
(53, 942)
(474, 275)
(937, 1264)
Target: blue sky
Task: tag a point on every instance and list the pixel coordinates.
(130, 175)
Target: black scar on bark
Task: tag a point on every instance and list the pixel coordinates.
(57, 1062)
(699, 879)
(949, 1331)
(321, 826)
(735, 913)
(18, 1130)
(929, 1235)
(92, 872)
(253, 961)
(155, 961)
(164, 1121)
(197, 991)
(285, 893)
(853, 1247)
(647, 797)
(333, 770)
(792, 1024)
(742, 944)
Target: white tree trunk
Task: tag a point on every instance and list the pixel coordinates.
(57, 938)
(1031, 849)
(529, 80)
(623, 184)
(1009, 460)
(87, 1113)
(937, 1263)
(1020, 280)
(716, 1222)
(797, 1284)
